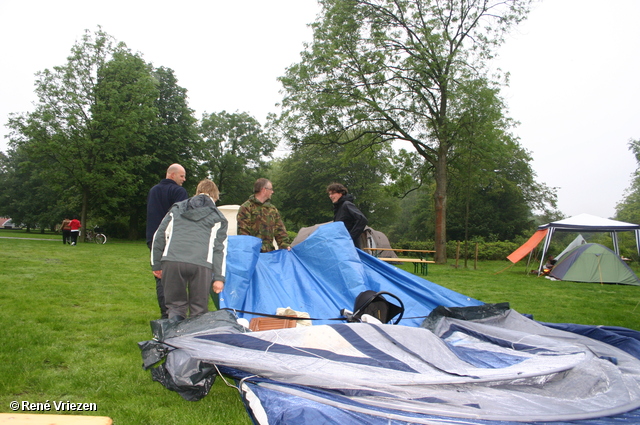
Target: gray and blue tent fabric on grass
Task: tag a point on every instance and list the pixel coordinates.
(469, 364)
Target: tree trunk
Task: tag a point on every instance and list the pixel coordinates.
(83, 213)
(440, 199)
(134, 223)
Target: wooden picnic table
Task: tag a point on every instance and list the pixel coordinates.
(419, 264)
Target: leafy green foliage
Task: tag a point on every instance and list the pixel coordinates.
(27, 196)
(90, 122)
(104, 130)
(397, 71)
(629, 208)
(168, 140)
(301, 180)
(232, 152)
(122, 118)
(486, 251)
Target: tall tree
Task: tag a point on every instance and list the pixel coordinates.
(121, 120)
(91, 118)
(392, 68)
(232, 151)
(170, 139)
(493, 190)
(629, 208)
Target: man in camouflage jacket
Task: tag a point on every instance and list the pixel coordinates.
(259, 217)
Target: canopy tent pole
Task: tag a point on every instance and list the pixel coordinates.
(616, 247)
(547, 242)
(528, 261)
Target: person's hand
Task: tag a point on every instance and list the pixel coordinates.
(218, 286)
(157, 273)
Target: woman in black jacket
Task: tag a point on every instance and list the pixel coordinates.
(344, 210)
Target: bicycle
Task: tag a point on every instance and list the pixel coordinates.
(96, 236)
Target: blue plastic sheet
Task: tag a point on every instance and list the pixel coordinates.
(321, 276)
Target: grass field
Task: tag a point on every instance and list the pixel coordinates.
(72, 317)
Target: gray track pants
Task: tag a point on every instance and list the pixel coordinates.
(186, 288)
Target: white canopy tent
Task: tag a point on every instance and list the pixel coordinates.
(589, 223)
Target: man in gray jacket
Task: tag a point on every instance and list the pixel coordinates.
(189, 248)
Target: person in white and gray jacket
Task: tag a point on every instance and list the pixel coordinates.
(189, 251)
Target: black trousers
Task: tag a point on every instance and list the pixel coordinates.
(160, 293)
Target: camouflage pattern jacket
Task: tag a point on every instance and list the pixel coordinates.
(263, 221)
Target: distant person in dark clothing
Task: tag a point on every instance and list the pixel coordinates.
(344, 210)
(65, 227)
(160, 199)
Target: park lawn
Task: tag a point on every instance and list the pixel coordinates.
(547, 300)
(72, 318)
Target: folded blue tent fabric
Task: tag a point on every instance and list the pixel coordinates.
(321, 276)
(508, 369)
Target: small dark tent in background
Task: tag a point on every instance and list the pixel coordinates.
(370, 239)
(304, 233)
(596, 263)
(377, 239)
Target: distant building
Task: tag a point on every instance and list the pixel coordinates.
(7, 223)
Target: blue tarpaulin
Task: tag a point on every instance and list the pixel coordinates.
(321, 276)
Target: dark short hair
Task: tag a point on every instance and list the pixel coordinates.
(337, 188)
(259, 184)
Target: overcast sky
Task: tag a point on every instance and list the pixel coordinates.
(574, 65)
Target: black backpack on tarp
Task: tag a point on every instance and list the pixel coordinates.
(376, 305)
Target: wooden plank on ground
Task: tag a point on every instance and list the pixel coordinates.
(36, 419)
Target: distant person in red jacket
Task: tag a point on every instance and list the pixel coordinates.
(75, 230)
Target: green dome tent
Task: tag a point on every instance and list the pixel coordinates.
(593, 262)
